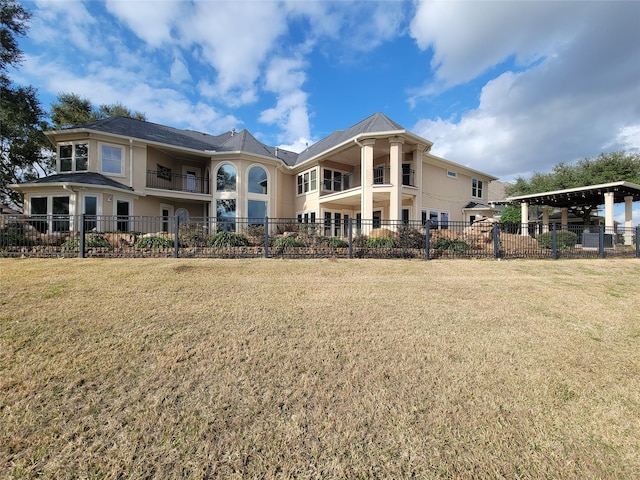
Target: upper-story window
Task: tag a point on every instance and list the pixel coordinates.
(452, 174)
(226, 178)
(335, 181)
(257, 180)
(308, 181)
(476, 188)
(111, 159)
(74, 157)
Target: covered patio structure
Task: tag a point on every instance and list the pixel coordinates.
(591, 196)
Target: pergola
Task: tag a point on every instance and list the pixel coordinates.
(607, 194)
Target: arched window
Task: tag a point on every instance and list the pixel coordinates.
(257, 180)
(226, 178)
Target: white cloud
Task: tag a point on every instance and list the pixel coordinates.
(179, 70)
(151, 21)
(580, 97)
(285, 77)
(469, 37)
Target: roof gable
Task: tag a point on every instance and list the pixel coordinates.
(378, 122)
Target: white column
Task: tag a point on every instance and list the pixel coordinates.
(524, 214)
(628, 220)
(417, 165)
(366, 203)
(395, 196)
(608, 211)
(545, 219)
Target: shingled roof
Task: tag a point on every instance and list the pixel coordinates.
(85, 178)
(233, 141)
(378, 122)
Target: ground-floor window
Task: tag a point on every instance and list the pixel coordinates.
(226, 215)
(256, 212)
(60, 211)
(436, 219)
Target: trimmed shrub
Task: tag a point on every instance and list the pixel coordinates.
(154, 243)
(381, 242)
(565, 240)
(286, 242)
(450, 244)
(409, 237)
(332, 242)
(228, 239)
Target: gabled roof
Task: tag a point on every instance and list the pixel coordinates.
(378, 122)
(243, 141)
(152, 132)
(86, 178)
(477, 206)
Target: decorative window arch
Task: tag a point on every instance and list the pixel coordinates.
(257, 180)
(226, 178)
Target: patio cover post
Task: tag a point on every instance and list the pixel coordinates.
(524, 216)
(608, 211)
(628, 220)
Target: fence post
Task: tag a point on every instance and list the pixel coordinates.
(351, 238)
(176, 241)
(554, 242)
(427, 243)
(601, 241)
(81, 253)
(638, 241)
(496, 241)
(266, 237)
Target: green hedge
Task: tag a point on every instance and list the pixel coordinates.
(564, 240)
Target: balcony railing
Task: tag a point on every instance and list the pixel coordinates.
(180, 183)
(382, 176)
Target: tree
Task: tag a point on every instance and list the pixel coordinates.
(24, 148)
(606, 168)
(14, 22)
(70, 109)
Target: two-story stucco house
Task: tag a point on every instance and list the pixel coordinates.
(375, 170)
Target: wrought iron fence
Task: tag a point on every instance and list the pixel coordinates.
(139, 236)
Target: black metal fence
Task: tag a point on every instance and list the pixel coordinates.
(136, 236)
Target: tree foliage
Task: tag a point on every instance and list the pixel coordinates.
(70, 109)
(24, 149)
(14, 22)
(605, 168)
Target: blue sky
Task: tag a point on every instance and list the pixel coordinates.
(508, 88)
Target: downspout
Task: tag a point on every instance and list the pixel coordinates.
(131, 162)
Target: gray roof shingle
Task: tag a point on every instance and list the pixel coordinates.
(87, 178)
(241, 141)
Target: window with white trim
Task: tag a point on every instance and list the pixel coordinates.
(452, 174)
(111, 159)
(73, 157)
(307, 217)
(476, 188)
(307, 181)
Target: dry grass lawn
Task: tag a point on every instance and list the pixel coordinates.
(319, 369)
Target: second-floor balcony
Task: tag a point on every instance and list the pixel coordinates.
(180, 183)
(381, 176)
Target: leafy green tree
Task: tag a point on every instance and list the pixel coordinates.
(606, 168)
(70, 109)
(25, 151)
